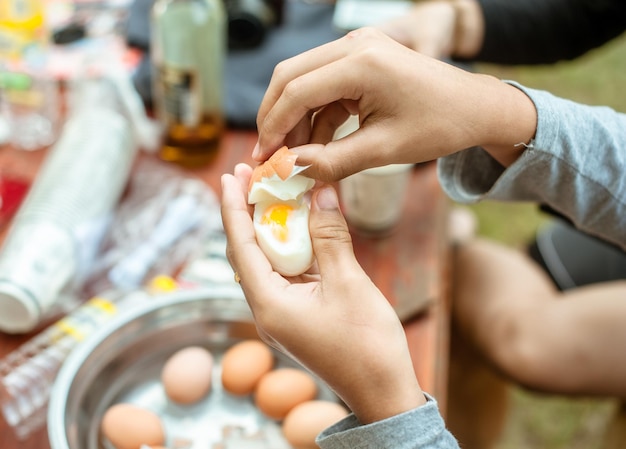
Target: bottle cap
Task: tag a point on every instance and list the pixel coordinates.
(19, 312)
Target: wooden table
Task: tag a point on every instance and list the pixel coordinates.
(410, 267)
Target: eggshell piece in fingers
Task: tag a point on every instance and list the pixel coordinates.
(280, 163)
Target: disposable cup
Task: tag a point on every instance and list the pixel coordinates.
(373, 199)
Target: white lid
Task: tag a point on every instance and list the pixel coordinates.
(19, 312)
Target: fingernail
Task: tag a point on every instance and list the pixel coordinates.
(326, 198)
(256, 151)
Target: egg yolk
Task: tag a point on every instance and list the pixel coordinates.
(276, 217)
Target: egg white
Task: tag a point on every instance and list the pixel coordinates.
(268, 189)
(294, 255)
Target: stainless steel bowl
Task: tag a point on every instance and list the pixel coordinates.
(122, 362)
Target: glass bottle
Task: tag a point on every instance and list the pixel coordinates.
(188, 48)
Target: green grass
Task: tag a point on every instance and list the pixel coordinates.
(554, 422)
(543, 421)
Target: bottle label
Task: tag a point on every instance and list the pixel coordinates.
(182, 96)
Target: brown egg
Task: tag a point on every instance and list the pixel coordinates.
(127, 426)
(305, 421)
(282, 389)
(244, 364)
(186, 375)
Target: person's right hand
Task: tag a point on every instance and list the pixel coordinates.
(412, 108)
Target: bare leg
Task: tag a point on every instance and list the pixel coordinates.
(561, 343)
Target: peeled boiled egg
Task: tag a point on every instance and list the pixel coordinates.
(282, 389)
(244, 364)
(186, 375)
(306, 420)
(281, 213)
(128, 426)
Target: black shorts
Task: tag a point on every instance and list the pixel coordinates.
(573, 258)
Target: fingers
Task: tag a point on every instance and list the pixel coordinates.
(346, 156)
(307, 82)
(309, 92)
(331, 239)
(328, 120)
(244, 254)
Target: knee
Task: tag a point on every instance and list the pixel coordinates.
(527, 356)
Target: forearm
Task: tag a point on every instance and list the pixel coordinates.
(575, 164)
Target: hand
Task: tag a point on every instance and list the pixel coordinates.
(428, 27)
(412, 108)
(440, 28)
(333, 320)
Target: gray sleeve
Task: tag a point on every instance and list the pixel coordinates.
(576, 164)
(420, 428)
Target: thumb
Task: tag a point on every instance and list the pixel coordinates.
(332, 243)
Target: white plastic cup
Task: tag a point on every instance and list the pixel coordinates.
(373, 199)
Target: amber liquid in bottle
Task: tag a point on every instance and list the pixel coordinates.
(193, 146)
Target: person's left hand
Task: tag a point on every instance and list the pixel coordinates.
(332, 320)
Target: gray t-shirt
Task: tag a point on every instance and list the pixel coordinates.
(576, 164)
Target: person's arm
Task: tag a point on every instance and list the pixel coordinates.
(575, 164)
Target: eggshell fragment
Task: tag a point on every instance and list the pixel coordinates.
(282, 389)
(280, 163)
(186, 375)
(307, 420)
(244, 364)
(128, 426)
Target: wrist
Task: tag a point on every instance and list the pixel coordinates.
(385, 390)
(469, 29)
(515, 125)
